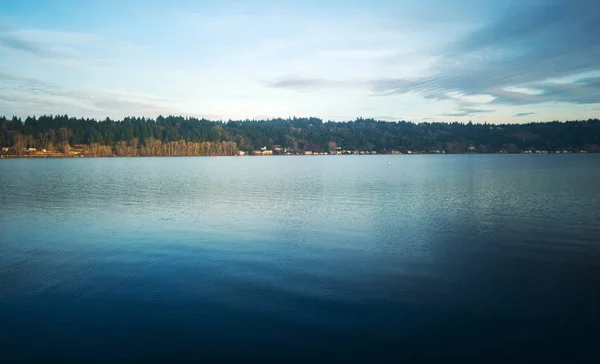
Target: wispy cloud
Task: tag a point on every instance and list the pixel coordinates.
(12, 41)
(555, 39)
(299, 83)
(358, 54)
(43, 42)
(467, 112)
(584, 91)
(49, 36)
(311, 83)
(521, 114)
(26, 96)
(51, 46)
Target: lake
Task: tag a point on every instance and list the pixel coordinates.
(475, 258)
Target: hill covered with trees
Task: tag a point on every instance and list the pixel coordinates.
(177, 135)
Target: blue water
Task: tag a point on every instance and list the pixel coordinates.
(477, 258)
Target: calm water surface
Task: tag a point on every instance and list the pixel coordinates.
(472, 258)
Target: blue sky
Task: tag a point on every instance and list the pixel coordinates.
(428, 60)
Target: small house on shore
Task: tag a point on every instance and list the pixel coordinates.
(262, 152)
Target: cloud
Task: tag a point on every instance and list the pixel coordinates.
(521, 114)
(360, 54)
(28, 96)
(584, 91)
(295, 83)
(47, 44)
(75, 63)
(467, 112)
(47, 36)
(12, 41)
(521, 49)
(35, 87)
(310, 83)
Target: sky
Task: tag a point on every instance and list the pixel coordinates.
(498, 61)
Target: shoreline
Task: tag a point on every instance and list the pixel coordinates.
(14, 156)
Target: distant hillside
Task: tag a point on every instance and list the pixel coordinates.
(176, 135)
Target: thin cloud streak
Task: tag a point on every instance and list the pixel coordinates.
(33, 96)
(467, 112)
(11, 41)
(521, 114)
(43, 42)
(295, 83)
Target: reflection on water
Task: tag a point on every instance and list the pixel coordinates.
(475, 258)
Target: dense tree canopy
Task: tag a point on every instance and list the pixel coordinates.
(189, 136)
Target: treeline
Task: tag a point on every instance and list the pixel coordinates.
(177, 135)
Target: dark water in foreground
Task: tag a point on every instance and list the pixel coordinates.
(472, 258)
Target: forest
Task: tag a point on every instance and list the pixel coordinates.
(183, 136)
